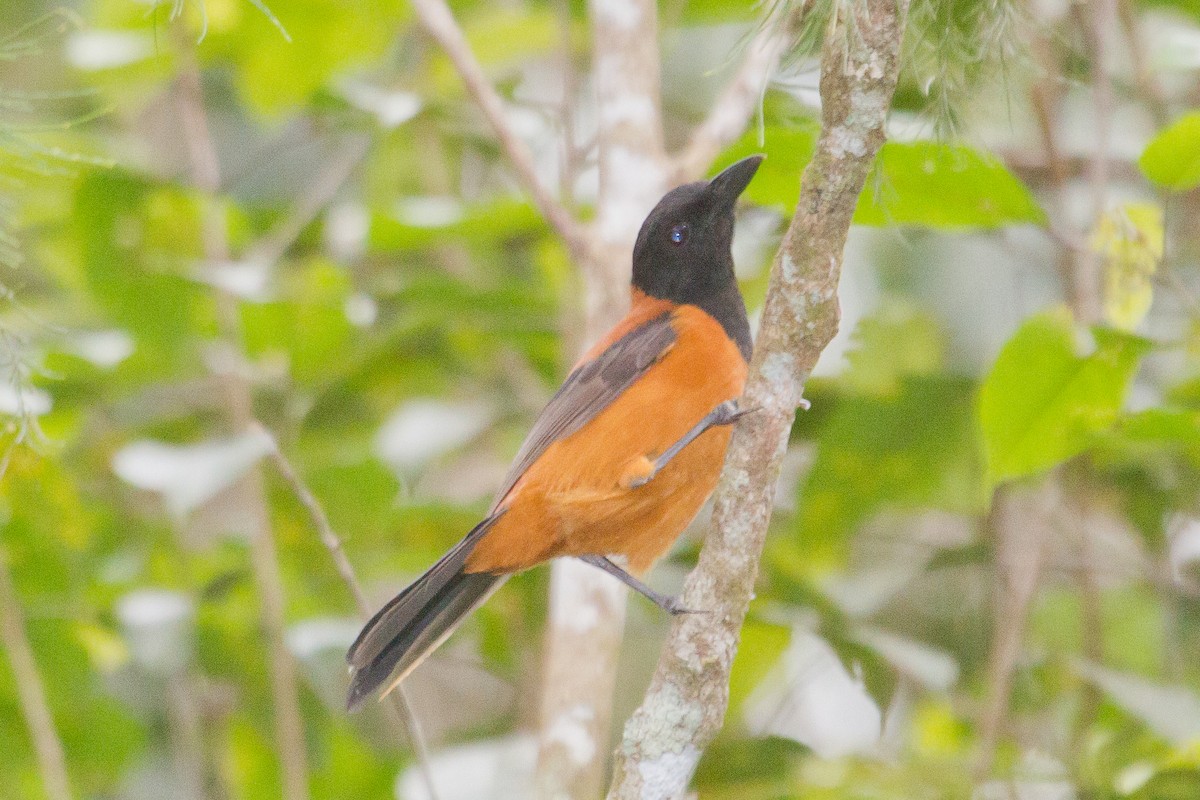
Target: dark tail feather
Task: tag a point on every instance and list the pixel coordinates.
(415, 622)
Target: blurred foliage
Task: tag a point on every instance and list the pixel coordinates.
(400, 313)
(1172, 159)
(1042, 403)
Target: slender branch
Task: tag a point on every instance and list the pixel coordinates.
(566, 113)
(1149, 87)
(187, 736)
(1013, 524)
(268, 250)
(1035, 171)
(1103, 24)
(272, 246)
(30, 690)
(685, 705)
(264, 559)
(1091, 616)
(733, 109)
(400, 702)
(580, 659)
(438, 20)
(1044, 99)
(320, 521)
(1096, 27)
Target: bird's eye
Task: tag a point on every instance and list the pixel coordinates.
(679, 234)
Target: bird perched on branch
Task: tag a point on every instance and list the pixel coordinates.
(625, 453)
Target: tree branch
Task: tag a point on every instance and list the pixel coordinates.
(403, 714)
(685, 705)
(732, 111)
(268, 250)
(272, 246)
(1018, 526)
(438, 21)
(30, 690)
(1147, 82)
(581, 659)
(1096, 27)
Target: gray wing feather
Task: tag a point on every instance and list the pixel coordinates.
(590, 389)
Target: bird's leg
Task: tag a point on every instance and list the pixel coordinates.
(664, 601)
(725, 414)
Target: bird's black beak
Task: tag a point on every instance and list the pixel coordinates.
(729, 185)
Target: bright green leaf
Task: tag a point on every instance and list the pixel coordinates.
(1042, 402)
(761, 646)
(788, 150)
(1149, 435)
(1172, 159)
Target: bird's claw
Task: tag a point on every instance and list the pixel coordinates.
(674, 606)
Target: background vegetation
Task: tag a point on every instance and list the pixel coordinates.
(982, 573)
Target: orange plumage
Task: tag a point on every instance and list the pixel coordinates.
(625, 453)
(576, 500)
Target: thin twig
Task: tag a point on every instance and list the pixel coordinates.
(1089, 308)
(1020, 559)
(1044, 100)
(1149, 88)
(685, 705)
(187, 735)
(272, 246)
(1091, 613)
(1096, 27)
(320, 521)
(264, 560)
(31, 692)
(566, 114)
(399, 699)
(438, 20)
(733, 109)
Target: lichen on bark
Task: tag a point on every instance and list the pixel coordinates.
(686, 702)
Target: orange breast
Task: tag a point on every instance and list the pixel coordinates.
(572, 500)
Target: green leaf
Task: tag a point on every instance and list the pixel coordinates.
(1179, 783)
(309, 324)
(762, 643)
(748, 769)
(896, 341)
(1042, 402)
(943, 186)
(1172, 159)
(912, 448)
(485, 224)
(1164, 426)
(111, 215)
(788, 149)
(1148, 436)
(322, 41)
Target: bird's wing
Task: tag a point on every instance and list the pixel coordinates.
(590, 388)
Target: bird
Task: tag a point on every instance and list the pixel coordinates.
(624, 454)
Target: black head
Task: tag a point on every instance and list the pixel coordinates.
(682, 251)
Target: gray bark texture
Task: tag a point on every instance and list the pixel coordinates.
(685, 705)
